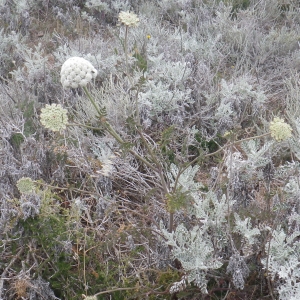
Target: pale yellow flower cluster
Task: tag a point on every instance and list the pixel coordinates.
(54, 117)
(128, 18)
(25, 185)
(280, 130)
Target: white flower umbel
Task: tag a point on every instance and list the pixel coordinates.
(25, 185)
(77, 71)
(128, 18)
(280, 130)
(54, 117)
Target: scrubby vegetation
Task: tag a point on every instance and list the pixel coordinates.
(162, 160)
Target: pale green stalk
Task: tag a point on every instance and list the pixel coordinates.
(106, 125)
(126, 49)
(92, 101)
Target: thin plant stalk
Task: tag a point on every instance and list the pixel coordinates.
(92, 101)
(106, 126)
(126, 49)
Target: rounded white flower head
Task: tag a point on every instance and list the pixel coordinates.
(128, 18)
(76, 71)
(54, 117)
(25, 185)
(280, 130)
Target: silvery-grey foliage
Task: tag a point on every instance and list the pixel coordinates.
(179, 285)
(8, 41)
(204, 67)
(283, 262)
(41, 289)
(211, 209)
(107, 6)
(166, 90)
(244, 228)
(257, 156)
(30, 205)
(194, 249)
(239, 270)
(186, 178)
(237, 100)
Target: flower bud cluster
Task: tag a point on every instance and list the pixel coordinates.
(77, 71)
(54, 117)
(128, 18)
(280, 130)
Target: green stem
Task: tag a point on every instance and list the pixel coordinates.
(121, 141)
(84, 125)
(111, 131)
(221, 149)
(137, 107)
(160, 173)
(171, 221)
(92, 100)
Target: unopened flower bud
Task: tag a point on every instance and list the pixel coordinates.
(77, 71)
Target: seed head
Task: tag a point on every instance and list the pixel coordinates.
(77, 71)
(128, 18)
(54, 117)
(280, 130)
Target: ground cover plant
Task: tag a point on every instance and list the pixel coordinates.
(149, 149)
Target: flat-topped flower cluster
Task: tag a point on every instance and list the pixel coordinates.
(280, 130)
(128, 18)
(54, 117)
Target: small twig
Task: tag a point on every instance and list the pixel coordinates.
(113, 290)
(3, 275)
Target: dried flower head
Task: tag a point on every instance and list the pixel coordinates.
(54, 117)
(280, 130)
(128, 18)
(25, 185)
(20, 286)
(76, 71)
(107, 166)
